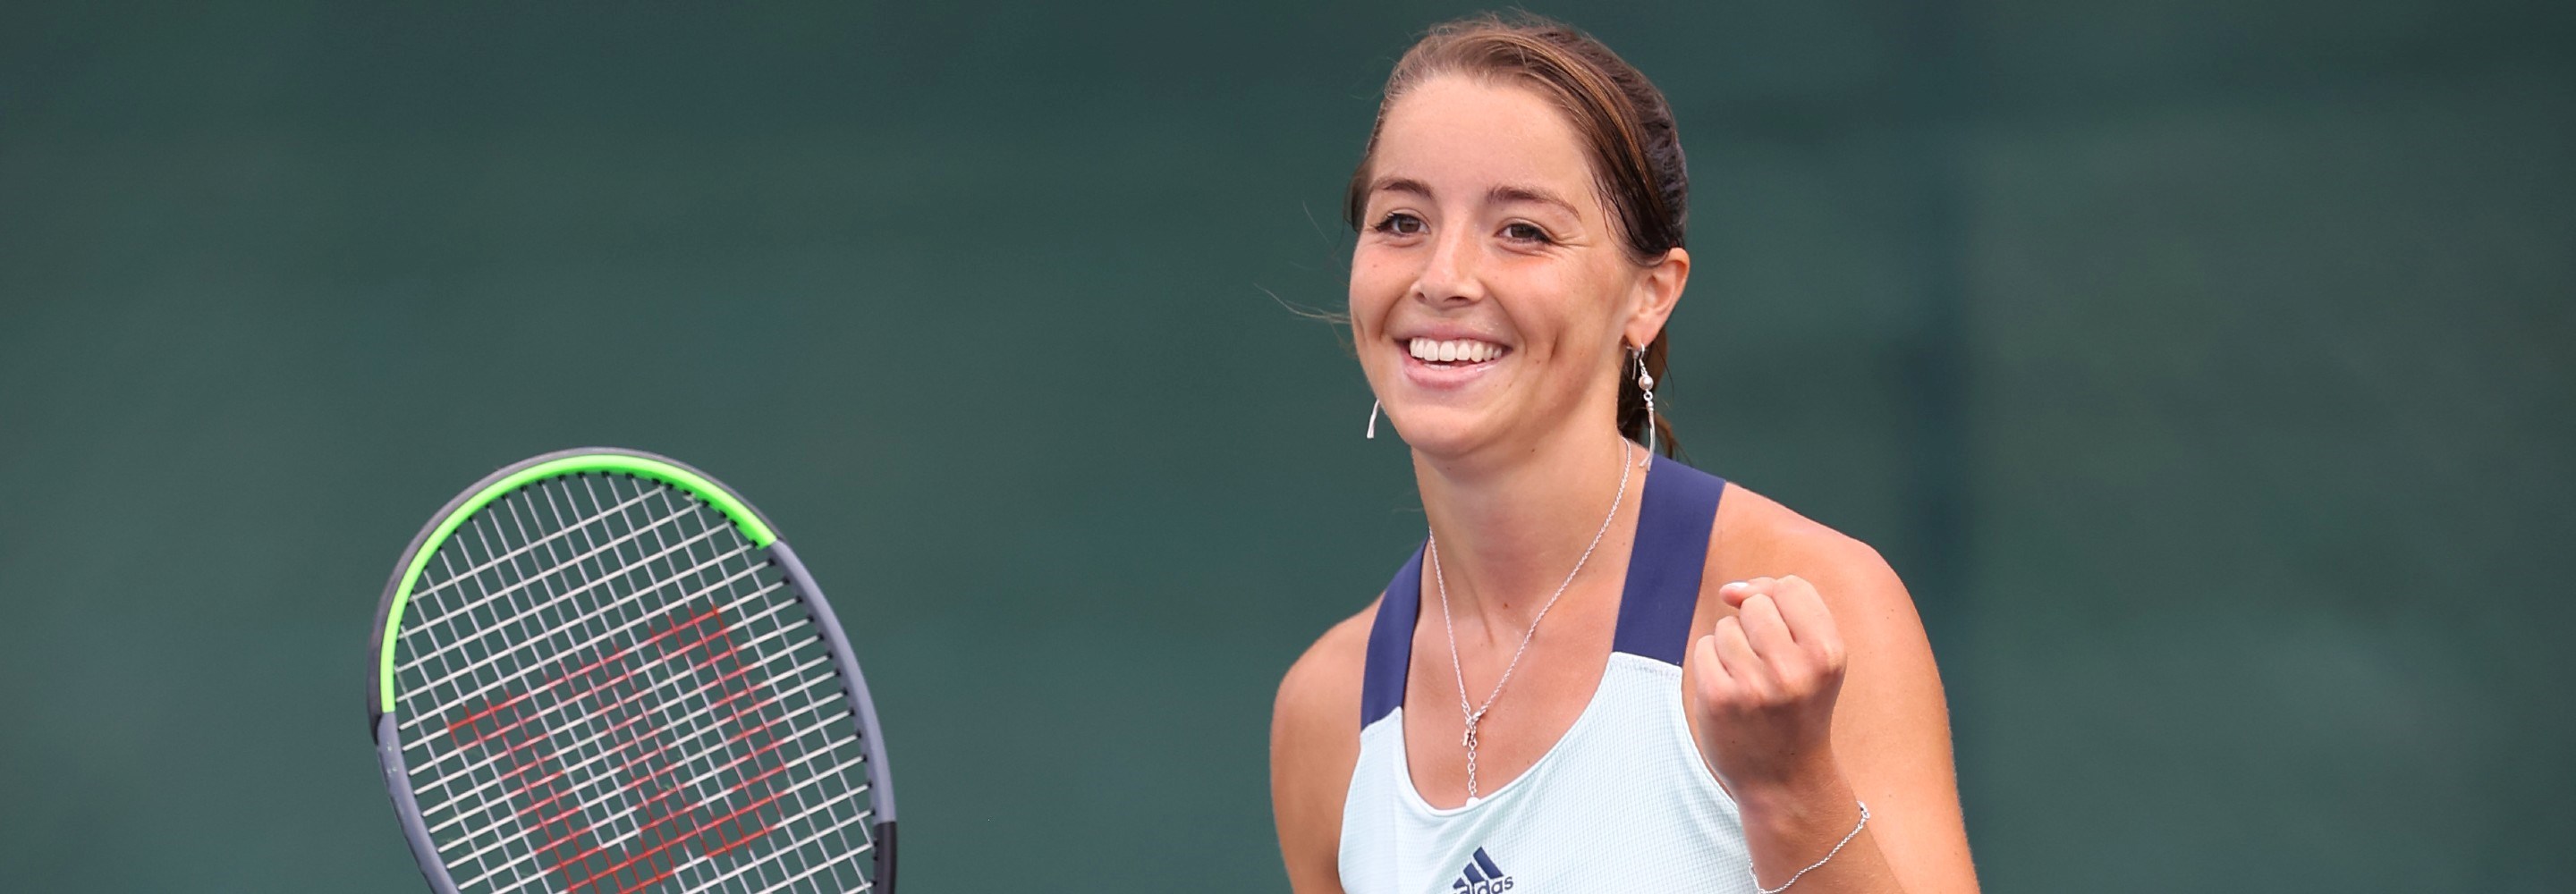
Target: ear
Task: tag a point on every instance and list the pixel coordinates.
(1658, 290)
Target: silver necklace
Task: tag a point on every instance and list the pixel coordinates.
(1477, 714)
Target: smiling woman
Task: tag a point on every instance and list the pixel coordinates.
(1662, 681)
(1623, 125)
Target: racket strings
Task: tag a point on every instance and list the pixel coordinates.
(515, 552)
(607, 689)
(620, 703)
(560, 856)
(591, 738)
(542, 639)
(465, 613)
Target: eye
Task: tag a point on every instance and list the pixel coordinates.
(1399, 223)
(1524, 231)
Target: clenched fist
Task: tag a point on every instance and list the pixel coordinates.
(1761, 687)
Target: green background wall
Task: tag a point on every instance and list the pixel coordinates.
(2207, 366)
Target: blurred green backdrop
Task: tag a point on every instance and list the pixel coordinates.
(2208, 367)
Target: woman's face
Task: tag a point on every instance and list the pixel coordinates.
(1490, 292)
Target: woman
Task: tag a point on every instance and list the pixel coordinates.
(1601, 672)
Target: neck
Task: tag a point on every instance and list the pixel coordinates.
(1508, 532)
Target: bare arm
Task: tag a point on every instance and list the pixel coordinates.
(1314, 743)
(1817, 692)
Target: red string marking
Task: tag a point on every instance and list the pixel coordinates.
(559, 678)
(734, 679)
(733, 682)
(527, 772)
(669, 823)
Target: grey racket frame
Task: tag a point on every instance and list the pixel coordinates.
(389, 749)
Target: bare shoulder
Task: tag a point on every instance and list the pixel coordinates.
(1756, 536)
(1890, 674)
(1314, 743)
(1325, 681)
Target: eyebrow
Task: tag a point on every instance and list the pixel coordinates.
(1400, 184)
(1509, 193)
(1504, 194)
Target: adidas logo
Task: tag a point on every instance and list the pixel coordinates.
(1481, 877)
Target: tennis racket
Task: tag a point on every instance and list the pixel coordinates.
(601, 672)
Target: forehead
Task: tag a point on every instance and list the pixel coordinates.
(1463, 136)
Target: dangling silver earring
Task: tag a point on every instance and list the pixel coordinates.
(1372, 429)
(1645, 385)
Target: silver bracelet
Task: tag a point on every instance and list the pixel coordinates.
(1829, 855)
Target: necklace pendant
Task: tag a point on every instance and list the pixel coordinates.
(1471, 775)
(1431, 551)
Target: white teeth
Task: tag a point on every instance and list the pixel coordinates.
(1454, 350)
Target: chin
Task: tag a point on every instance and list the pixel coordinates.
(1443, 431)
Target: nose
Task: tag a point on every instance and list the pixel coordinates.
(1449, 276)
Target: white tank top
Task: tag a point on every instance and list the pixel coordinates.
(1622, 802)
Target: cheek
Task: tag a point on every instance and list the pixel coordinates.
(1605, 286)
(1565, 310)
(1375, 287)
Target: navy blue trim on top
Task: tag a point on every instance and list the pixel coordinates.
(1390, 643)
(1655, 607)
(1667, 562)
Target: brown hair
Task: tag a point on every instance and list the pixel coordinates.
(1620, 117)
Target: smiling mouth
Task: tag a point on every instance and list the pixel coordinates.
(1455, 352)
